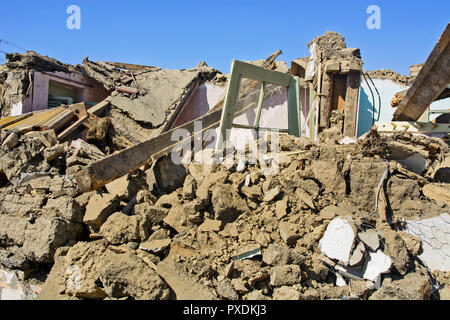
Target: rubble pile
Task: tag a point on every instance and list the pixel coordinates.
(338, 217)
(229, 232)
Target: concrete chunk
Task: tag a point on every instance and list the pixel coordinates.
(370, 238)
(338, 240)
(377, 264)
(99, 208)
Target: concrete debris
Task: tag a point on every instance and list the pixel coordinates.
(377, 264)
(370, 239)
(338, 240)
(99, 200)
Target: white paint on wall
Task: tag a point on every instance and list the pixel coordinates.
(387, 89)
(16, 109)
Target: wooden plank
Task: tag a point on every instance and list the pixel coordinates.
(63, 135)
(431, 81)
(7, 121)
(325, 101)
(118, 164)
(129, 90)
(59, 120)
(99, 107)
(351, 103)
(36, 120)
(260, 74)
(132, 67)
(294, 107)
(412, 127)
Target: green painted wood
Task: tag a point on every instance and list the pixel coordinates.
(241, 70)
(230, 104)
(294, 107)
(244, 126)
(260, 104)
(253, 72)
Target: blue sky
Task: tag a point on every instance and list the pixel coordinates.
(178, 34)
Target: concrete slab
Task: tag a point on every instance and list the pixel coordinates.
(435, 236)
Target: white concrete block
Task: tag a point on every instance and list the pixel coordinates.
(338, 239)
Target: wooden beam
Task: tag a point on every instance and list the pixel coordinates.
(412, 127)
(119, 164)
(99, 107)
(325, 101)
(63, 135)
(129, 90)
(7, 121)
(260, 74)
(431, 81)
(351, 103)
(294, 107)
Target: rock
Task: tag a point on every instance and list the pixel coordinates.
(414, 244)
(370, 239)
(11, 288)
(398, 251)
(189, 188)
(156, 246)
(359, 289)
(120, 228)
(328, 213)
(226, 203)
(286, 293)
(377, 264)
(437, 192)
(286, 275)
(11, 141)
(83, 153)
(256, 296)
(178, 219)
(154, 213)
(226, 290)
(305, 197)
(47, 137)
(281, 208)
(89, 270)
(133, 245)
(54, 152)
(270, 195)
(145, 196)
(127, 186)
(277, 255)
(364, 177)
(239, 286)
(210, 225)
(357, 255)
(288, 233)
(444, 293)
(203, 191)
(184, 285)
(338, 239)
(38, 239)
(329, 175)
(160, 234)
(99, 208)
(65, 207)
(412, 287)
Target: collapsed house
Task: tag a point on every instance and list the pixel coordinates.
(94, 207)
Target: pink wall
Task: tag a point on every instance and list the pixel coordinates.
(89, 89)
